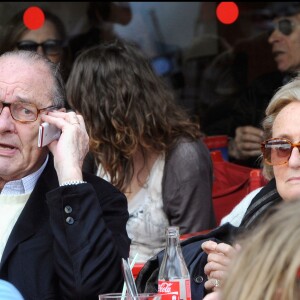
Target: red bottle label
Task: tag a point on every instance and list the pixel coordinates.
(175, 289)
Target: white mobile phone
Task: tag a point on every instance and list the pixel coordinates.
(47, 134)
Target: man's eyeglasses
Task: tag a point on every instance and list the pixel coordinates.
(50, 47)
(23, 111)
(277, 151)
(285, 26)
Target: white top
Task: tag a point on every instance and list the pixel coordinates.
(147, 219)
(236, 215)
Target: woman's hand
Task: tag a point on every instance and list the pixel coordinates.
(218, 260)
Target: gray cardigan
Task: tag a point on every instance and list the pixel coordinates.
(187, 187)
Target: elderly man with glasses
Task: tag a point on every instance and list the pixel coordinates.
(62, 232)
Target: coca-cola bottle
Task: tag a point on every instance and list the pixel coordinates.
(174, 277)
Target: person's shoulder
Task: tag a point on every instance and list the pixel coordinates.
(260, 91)
(189, 153)
(188, 159)
(268, 81)
(186, 146)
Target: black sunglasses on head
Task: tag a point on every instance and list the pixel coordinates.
(285, 26)
(50, 47)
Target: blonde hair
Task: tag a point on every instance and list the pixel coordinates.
(288, 93)
(267, 266)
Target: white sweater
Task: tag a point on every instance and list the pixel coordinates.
(10, 210)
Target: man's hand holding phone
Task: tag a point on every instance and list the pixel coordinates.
(69, 146)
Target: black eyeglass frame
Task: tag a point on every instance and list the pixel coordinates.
(292, 146)
(21, 45)
(38, 111)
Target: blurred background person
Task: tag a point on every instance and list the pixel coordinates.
(101, 16)
(238, 93)
(49, 40)
(267, 266)
(143, 143)
(226, 79)
(248, 111)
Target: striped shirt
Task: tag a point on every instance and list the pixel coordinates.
(24, 185)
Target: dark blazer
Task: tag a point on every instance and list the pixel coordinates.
(195, 259)
(68, 241)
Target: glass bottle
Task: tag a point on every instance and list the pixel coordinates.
(174, 277)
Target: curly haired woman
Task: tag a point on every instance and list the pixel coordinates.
(143, 143)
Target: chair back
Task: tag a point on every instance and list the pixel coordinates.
(217, 142)
(232, 182)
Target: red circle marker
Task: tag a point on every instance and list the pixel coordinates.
(33, 18)
(227, 12)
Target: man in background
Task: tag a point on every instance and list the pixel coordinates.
(249, 110)
(101, 17)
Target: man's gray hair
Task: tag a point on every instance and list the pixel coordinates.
(58, 93)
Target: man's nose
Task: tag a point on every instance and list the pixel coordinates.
(5, 113)
(6, 120)
(274, 35)
(40, 50)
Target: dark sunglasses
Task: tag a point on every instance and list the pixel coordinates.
(277, 151)
(50, 47)
(285, 26)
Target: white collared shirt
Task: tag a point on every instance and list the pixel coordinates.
(24, 185)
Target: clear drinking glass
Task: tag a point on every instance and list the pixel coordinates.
(118, 296)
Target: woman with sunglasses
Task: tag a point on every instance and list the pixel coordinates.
(281, 156)
(48, 40)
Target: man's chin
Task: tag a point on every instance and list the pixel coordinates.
(282, 68)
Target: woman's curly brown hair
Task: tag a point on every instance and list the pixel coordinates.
(126, 106)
